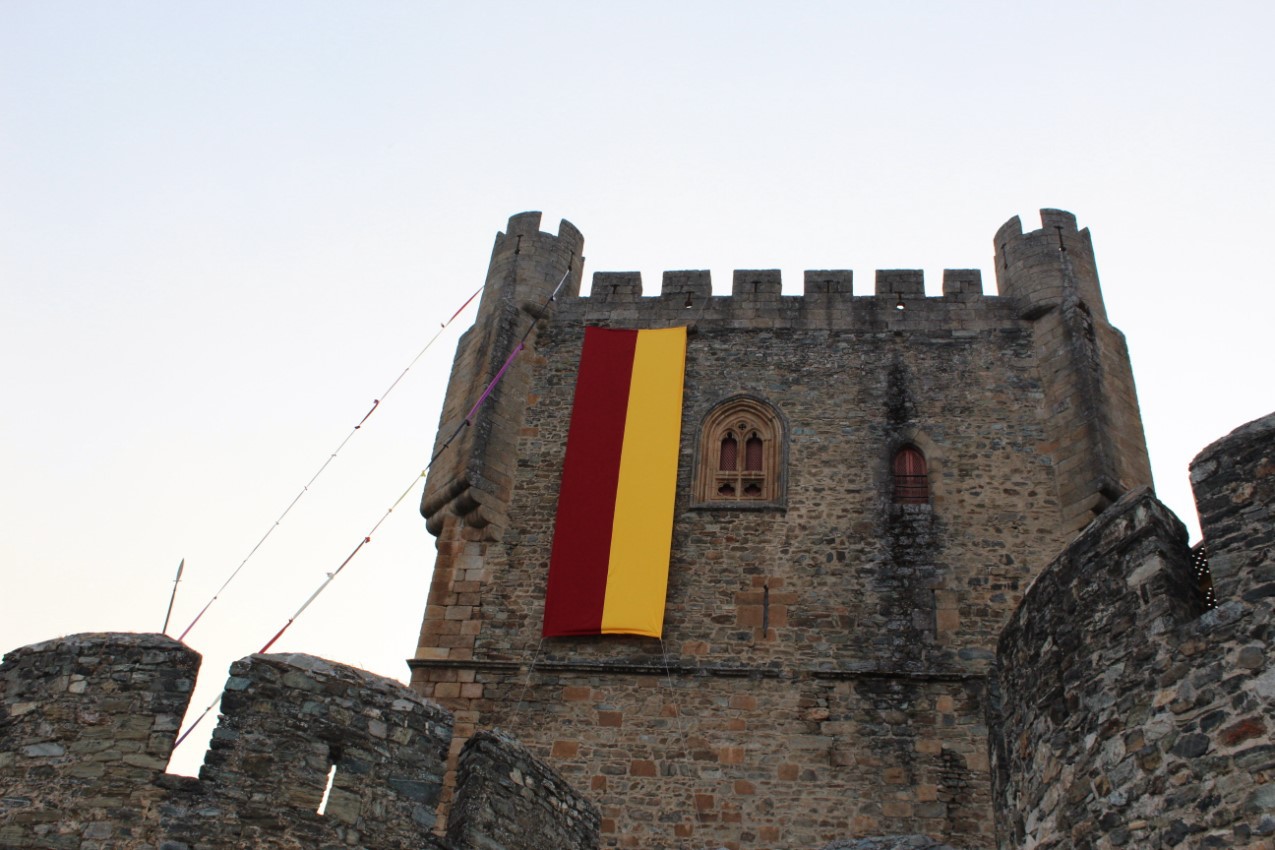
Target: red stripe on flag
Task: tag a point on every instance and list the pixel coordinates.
(590, 476)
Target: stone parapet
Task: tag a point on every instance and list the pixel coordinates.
(87, 724)
(1127, 714)
(828, 303)
(1234, 483)
(507, 798)
(307, 753)
(290, 721)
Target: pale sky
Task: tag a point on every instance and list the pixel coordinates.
(227, 227)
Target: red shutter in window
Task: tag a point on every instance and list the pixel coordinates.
(911, 484)
(729, 459)
(752, 454)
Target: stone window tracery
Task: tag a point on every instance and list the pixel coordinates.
(740, 454)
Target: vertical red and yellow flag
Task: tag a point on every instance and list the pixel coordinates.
(608, 572)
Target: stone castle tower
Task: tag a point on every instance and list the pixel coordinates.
(866, 487)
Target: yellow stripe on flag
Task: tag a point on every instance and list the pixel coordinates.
(642, 531)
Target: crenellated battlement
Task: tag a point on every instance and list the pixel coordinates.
(529, 263)
(765, 285)
(828, 301)
(87, 724)
(1039, 270)
(528, 266)
(288, 720)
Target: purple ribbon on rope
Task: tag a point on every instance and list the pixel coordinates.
(470, 415)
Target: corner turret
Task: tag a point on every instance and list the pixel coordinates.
(527, 264)
(1091, 406)
(473, 479)
(1042, 268)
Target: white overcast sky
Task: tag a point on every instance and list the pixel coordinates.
(226, 227)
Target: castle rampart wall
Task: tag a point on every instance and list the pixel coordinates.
(1129, 715)
(87, 724)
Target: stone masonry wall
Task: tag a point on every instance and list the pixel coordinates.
(846, 583)
(852, 581)
(697, 757)
(1130, 716)
(87, 724)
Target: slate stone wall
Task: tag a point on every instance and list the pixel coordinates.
(505, 797)
(1129, 715)
(87, 724)
(1234, 483)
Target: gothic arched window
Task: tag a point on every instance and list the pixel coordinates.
(911, 481)
(740, 454)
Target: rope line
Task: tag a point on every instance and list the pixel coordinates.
(469, 417)
(313, 596)
(331, 457)
(191, 727)
(368, 537)
(503, 369)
